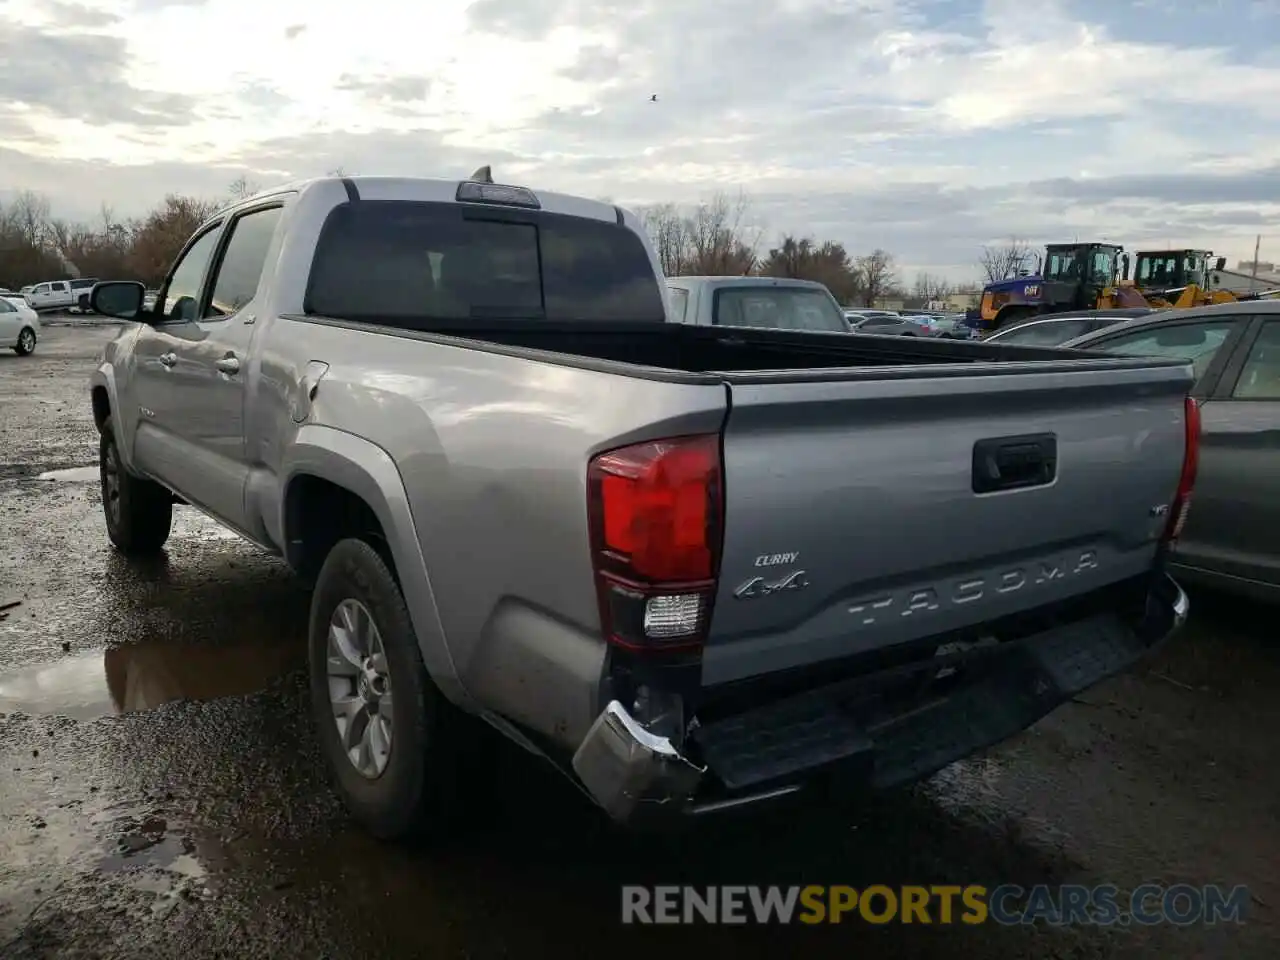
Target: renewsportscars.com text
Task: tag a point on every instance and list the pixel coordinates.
(1009, 904)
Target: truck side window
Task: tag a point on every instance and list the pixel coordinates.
(236, 280)
(182, 293)
(1197, 342)
(679, 303)
(1260, 377)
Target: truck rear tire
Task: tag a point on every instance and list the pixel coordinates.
(393, 744)
(138, 512)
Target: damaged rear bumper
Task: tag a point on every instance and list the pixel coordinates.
(774, 749)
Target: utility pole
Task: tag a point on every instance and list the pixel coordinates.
(1253, 274)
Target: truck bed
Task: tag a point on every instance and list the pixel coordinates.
(806, 355)
(860, 465)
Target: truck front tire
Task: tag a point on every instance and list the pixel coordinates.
(139, 512)
(393, 745)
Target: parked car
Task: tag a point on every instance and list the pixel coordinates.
(885, 324)
(639, 548)
(775, 303)
(19, 326)
(955, 327)
(1232, 537)
(1058, 328)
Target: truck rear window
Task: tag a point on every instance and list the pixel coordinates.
(778, 308)
(403, 262)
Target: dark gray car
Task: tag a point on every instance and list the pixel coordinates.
(1056, 329)
(885, 324)
(1232, 535)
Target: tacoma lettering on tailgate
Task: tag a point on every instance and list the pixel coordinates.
(958, 592)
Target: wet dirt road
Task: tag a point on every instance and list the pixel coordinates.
(161, 796)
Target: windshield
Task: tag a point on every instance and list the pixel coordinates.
(780, 308)
(1156, 271)
(401, 260)
(1104, 266)
(1062, 265)
(1048, 333)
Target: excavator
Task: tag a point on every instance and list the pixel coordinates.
(1093, 276)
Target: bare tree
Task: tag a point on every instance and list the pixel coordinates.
(930, 287)
(339, 171)
(716, 237)
(667, 229)
(160, 237)
(721, 241)
(1006, 260)
(242, 188)
(30, 213)
(877, 275)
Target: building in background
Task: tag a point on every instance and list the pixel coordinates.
(1243, 280)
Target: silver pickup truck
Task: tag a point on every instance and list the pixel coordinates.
(693, 567)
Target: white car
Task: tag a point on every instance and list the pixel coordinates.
(19, 326)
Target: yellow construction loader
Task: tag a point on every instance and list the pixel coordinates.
(1168, 280)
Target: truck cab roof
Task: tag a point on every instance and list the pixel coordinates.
(424, 190)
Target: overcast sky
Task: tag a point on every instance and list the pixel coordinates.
(927, 127)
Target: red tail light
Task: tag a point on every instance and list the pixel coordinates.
(656, 511)
(1187, 480)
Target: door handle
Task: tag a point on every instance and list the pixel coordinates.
(169, 359)
(228, 365)
(1011, 463)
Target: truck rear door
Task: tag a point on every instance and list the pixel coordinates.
(880, 507)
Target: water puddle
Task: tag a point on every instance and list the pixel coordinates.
(143, 676)
(152, 857)
(87, 474)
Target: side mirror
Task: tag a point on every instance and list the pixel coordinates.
(1220, 263)
(118, 298)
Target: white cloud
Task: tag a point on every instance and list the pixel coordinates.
(920, 125)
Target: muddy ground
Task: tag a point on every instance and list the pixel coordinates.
(161, 794)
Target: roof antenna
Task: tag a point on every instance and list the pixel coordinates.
(483, 175)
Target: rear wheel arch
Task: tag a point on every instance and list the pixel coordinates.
(326, 467)
(101, 406)
(320, 513)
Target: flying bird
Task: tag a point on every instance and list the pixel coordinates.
(654, 98)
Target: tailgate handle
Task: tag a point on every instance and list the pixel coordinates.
(1011, 463)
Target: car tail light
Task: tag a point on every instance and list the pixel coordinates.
(656, 512)
(1187, 479)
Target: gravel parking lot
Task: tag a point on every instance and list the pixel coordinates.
(161, 796)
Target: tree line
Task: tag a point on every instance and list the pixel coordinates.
(719, 237)
(36, 246)
(715, 237)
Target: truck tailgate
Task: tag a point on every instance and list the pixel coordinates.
(893, 505)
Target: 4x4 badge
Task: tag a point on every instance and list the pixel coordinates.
(761, 587)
